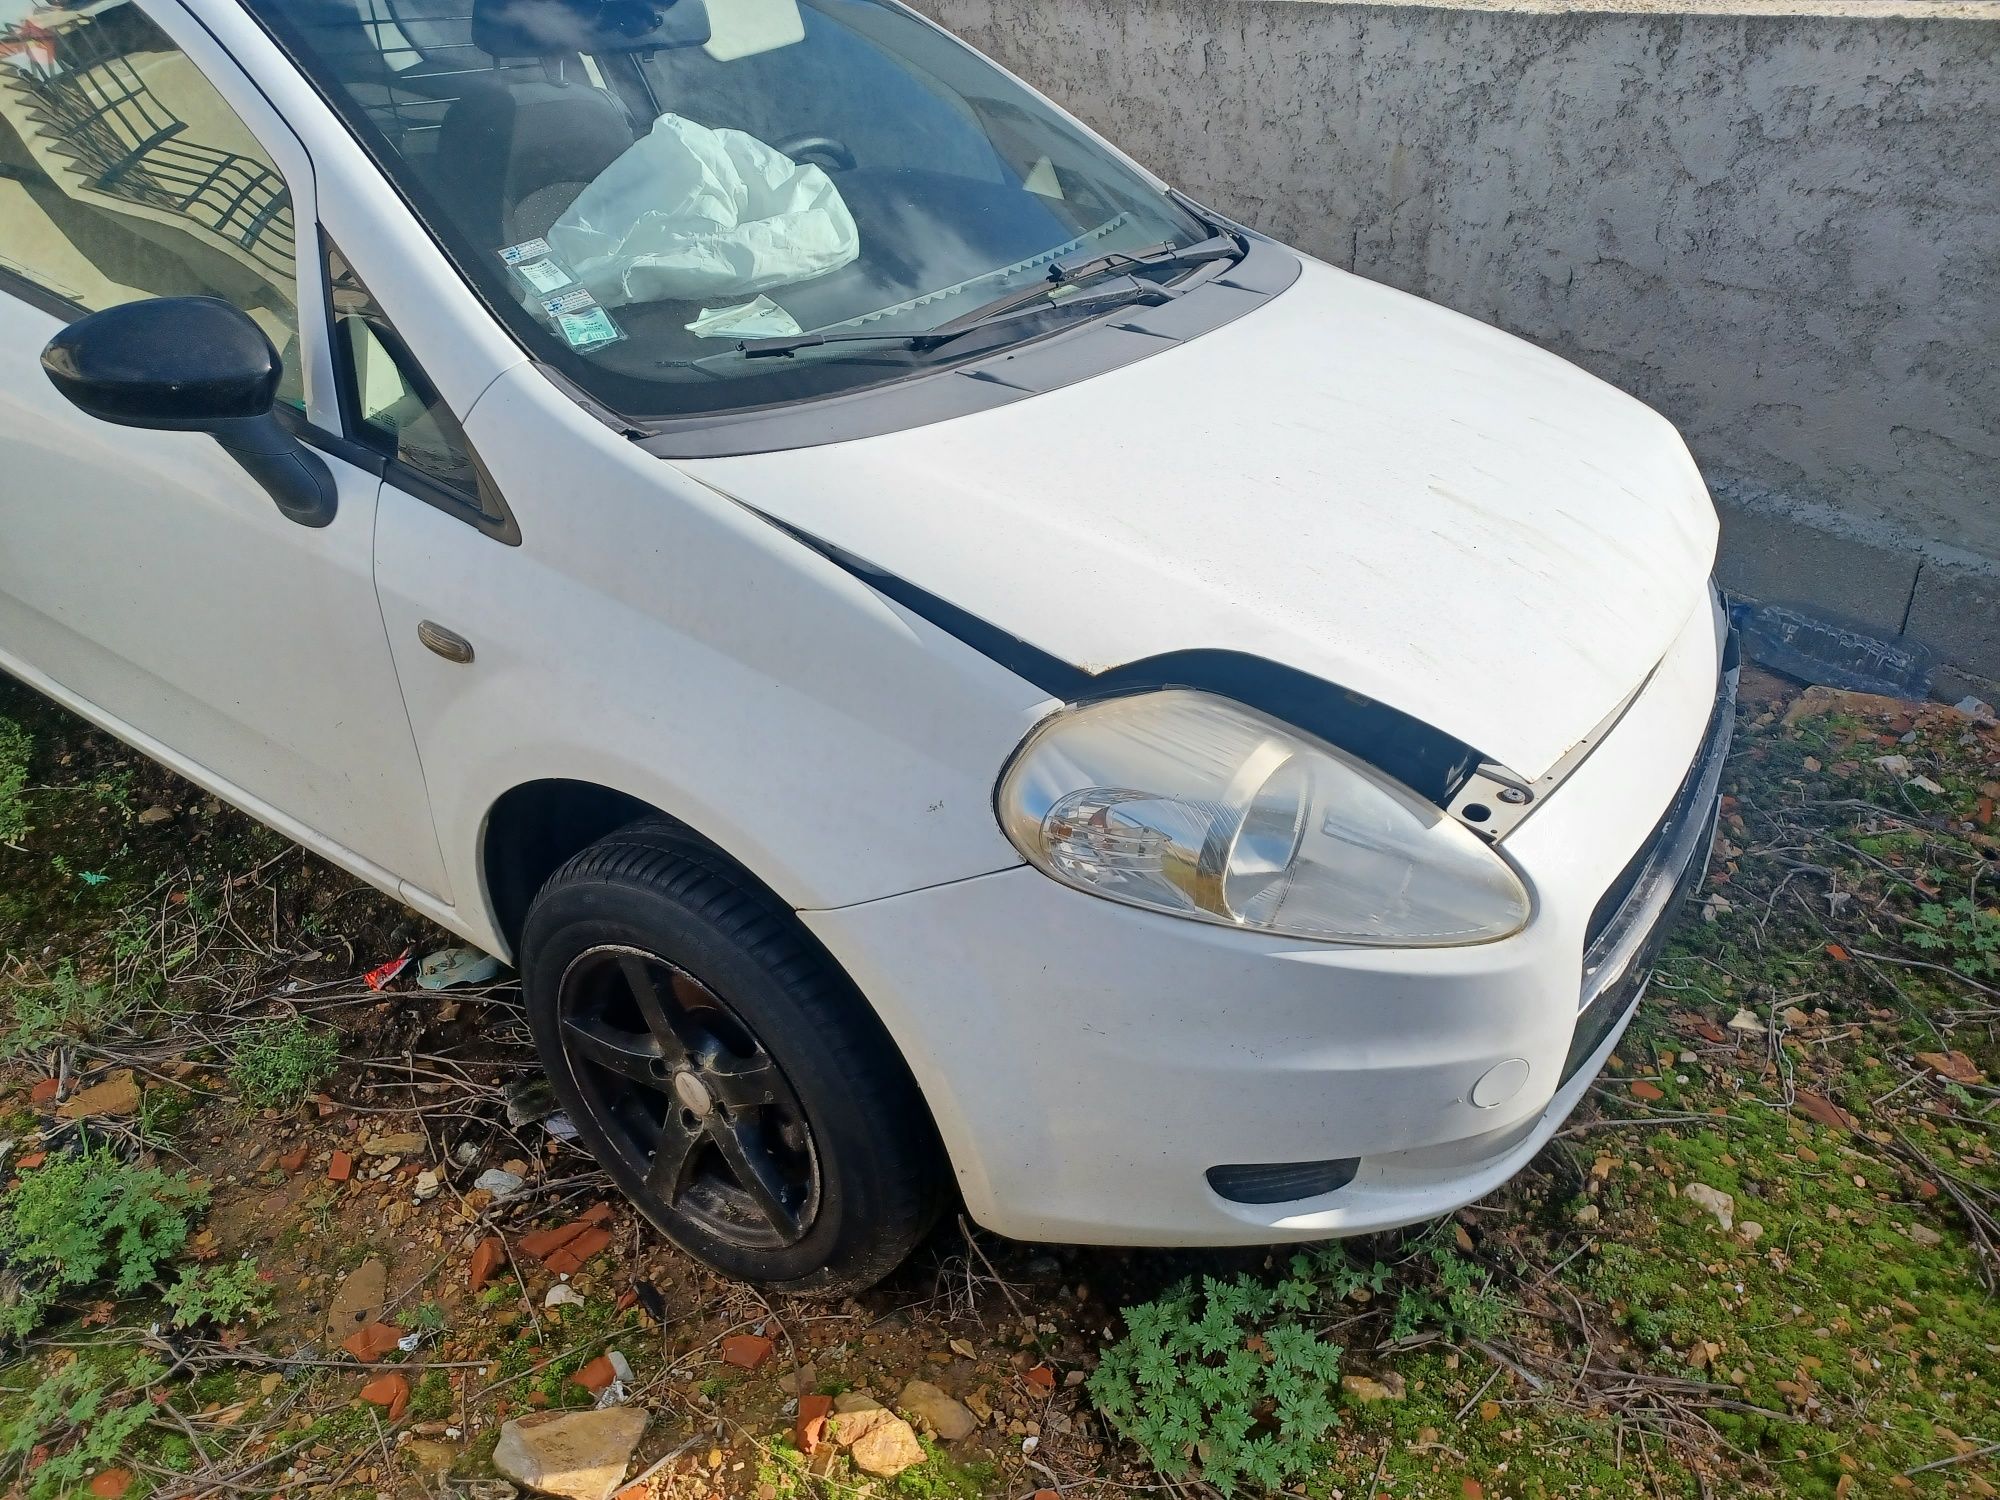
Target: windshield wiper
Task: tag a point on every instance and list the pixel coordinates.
(1062, 274)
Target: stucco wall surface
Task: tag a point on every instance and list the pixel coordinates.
(1779, 223)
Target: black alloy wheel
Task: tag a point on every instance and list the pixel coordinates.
(722, 1068)
(691, 1099)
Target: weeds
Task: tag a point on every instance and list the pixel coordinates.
(64, 1006)
(1968, 935)
(14, 748)
(282, 1063)
(222, 1295)
(1200, 1372)
(85, 1218)
(80, 1400)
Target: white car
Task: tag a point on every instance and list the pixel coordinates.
(951, 669)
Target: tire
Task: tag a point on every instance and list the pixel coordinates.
(723, 1070)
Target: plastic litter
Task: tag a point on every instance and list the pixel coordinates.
(559, 1126)
(1816, 648)
(761, 319)
(687, 213)
(454, 966)
(382, 975)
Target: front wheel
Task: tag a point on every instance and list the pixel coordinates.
(725, 1073)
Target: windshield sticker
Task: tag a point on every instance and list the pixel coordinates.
(527, 250)
(587, 330)
(576, 299)
(544, 276)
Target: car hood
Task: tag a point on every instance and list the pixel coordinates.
(1350, 481)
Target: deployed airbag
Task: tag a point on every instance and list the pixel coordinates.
(687, 213)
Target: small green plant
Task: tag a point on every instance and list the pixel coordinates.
(222, 1295)
(14, 748)
(1967, 934)
(84, 1401)
(64, 1005)
(92, 1217)
(1462, 1301)
(280, 1063)
(1225, 1381)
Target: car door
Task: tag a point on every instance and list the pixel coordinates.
(145, 578)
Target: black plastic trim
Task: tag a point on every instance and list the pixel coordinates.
(1283, 1181)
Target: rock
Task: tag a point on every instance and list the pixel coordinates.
(935, 1412)
(562, 1294)
(1714, 1200)
(1750, 1231)
(1588, 1214)
(428, 1185)
(155, 815)
(1954, 1065)
(1924, 1235)
(1363, 1388)
(502, 1185)
(360, 1297)
(1895, 765)
(430, 1455)
(405, 1143)
(116, 1095)
(800, 1381)
(578, 1455)
(1746, 1021)
(849, 1401)
(746, 1351)
(1792, 1016)
(886, 1448)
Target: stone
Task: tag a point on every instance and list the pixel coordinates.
(501, 1184)
(577, 1455)
(1746, 1021)
(428, 1185)
(1714, 1200)
(562, 1294)
(406, 1143)
(359, 1298)
(935, 1412)
(116, 1095)
(1750, 1231)
(1364, 1388)
(887, 1448)
(430, 1455)
(1588, 1214)
(1924, 1235)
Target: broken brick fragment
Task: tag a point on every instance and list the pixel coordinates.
(371, 1341)
(1041, 1377)
(1652, 1093)
(570, 1258)
(31, 1161)
(746, 1351)
(293, 1160)
(341, 1167)
(109, 1484)
(486, 1259)
(44, 1090)
(390, 1391)
(542, 1243)
(596, 1375)
(810, 1428)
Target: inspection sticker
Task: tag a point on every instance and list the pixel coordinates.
(527, 250)
(586, 330)
(544, 276)
(576, 299)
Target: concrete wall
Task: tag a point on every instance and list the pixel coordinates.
(1779, 223)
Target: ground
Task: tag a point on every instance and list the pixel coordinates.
(1759, 1261)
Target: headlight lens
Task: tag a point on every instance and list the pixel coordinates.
(1187, 803)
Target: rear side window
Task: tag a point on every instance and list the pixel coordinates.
(389, 405)
(125, 174)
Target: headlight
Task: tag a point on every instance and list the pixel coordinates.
(1187, 803)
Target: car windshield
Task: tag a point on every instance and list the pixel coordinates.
(659, 196)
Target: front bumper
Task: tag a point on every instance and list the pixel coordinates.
(1088, 1063)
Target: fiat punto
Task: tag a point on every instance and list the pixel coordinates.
(955, 672)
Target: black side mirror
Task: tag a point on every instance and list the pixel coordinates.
(192, 364)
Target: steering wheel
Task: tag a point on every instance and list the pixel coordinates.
(825, 147)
